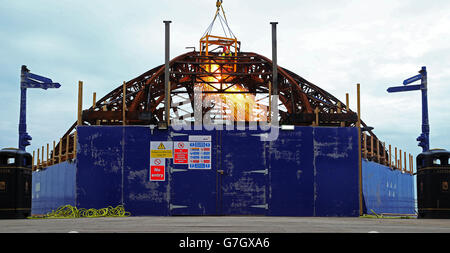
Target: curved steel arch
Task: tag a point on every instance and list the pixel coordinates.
(145, 93)
(300, 100)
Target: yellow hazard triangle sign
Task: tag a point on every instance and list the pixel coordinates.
(161, 149)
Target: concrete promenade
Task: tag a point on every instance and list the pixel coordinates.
(224, 224)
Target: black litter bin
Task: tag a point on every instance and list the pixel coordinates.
(433, 177)
(15, 183)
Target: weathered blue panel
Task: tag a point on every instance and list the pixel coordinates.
(142, 196)
(305, 172)
(290, 163)
(100, 165)
(335, 168)
(193, 191)
(244, 184)
(53, 187)
(386, 190)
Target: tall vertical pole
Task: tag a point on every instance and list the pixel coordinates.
(274, 101)
(359, 149)
(425, 126)
(80, 103)
(23, 135)
(166, 73)
(274, 59)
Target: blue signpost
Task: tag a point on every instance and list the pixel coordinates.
(424, 140)
(29, 80)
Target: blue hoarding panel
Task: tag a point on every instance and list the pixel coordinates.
(142, 196)
(53, 187)
(243, 185)
(99, 166)
(335, 167)
(193, 190)
(386, 190)
(290, 163)
(308, 171)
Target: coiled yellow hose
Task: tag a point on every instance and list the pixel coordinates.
(69, 211)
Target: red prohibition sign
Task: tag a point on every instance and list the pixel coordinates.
(157, 161)
(180, 144)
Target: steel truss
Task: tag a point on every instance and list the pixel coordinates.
(301, 102)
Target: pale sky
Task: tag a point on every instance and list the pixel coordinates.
(333, 44)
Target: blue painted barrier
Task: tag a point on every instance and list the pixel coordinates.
(53, 187)
(386, 190)
(308, 171)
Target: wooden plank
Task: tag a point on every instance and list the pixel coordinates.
(67, 147)
(390, 156)
(37, 160)
(371, 147)
(53, 153)
(378, 151)
(60, 150)
(358, 125)
(80, 103)
(75, 136)
(42, 154)
(47, 155)
(396, 161)
(404, 155)
(32, 162)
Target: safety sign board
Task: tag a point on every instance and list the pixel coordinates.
(157, 169)
(200, 153)
(180, 152)
(161, 149)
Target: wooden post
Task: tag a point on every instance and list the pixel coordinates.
(75, 135)
(80, 103)
(94, 101)
(32, 162)
(404, 155)
(383, 154)
(42, 162)
(67, 147)
(372, 154)
(60, 150)
(358, 125)
(378, 151)
(37, 159)
(47, 155)
(124, 105)
(53, 153)
(400, 160)
(390, 156)
(396, 161)
(347, 102)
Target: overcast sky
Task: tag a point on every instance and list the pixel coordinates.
(333, 44)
